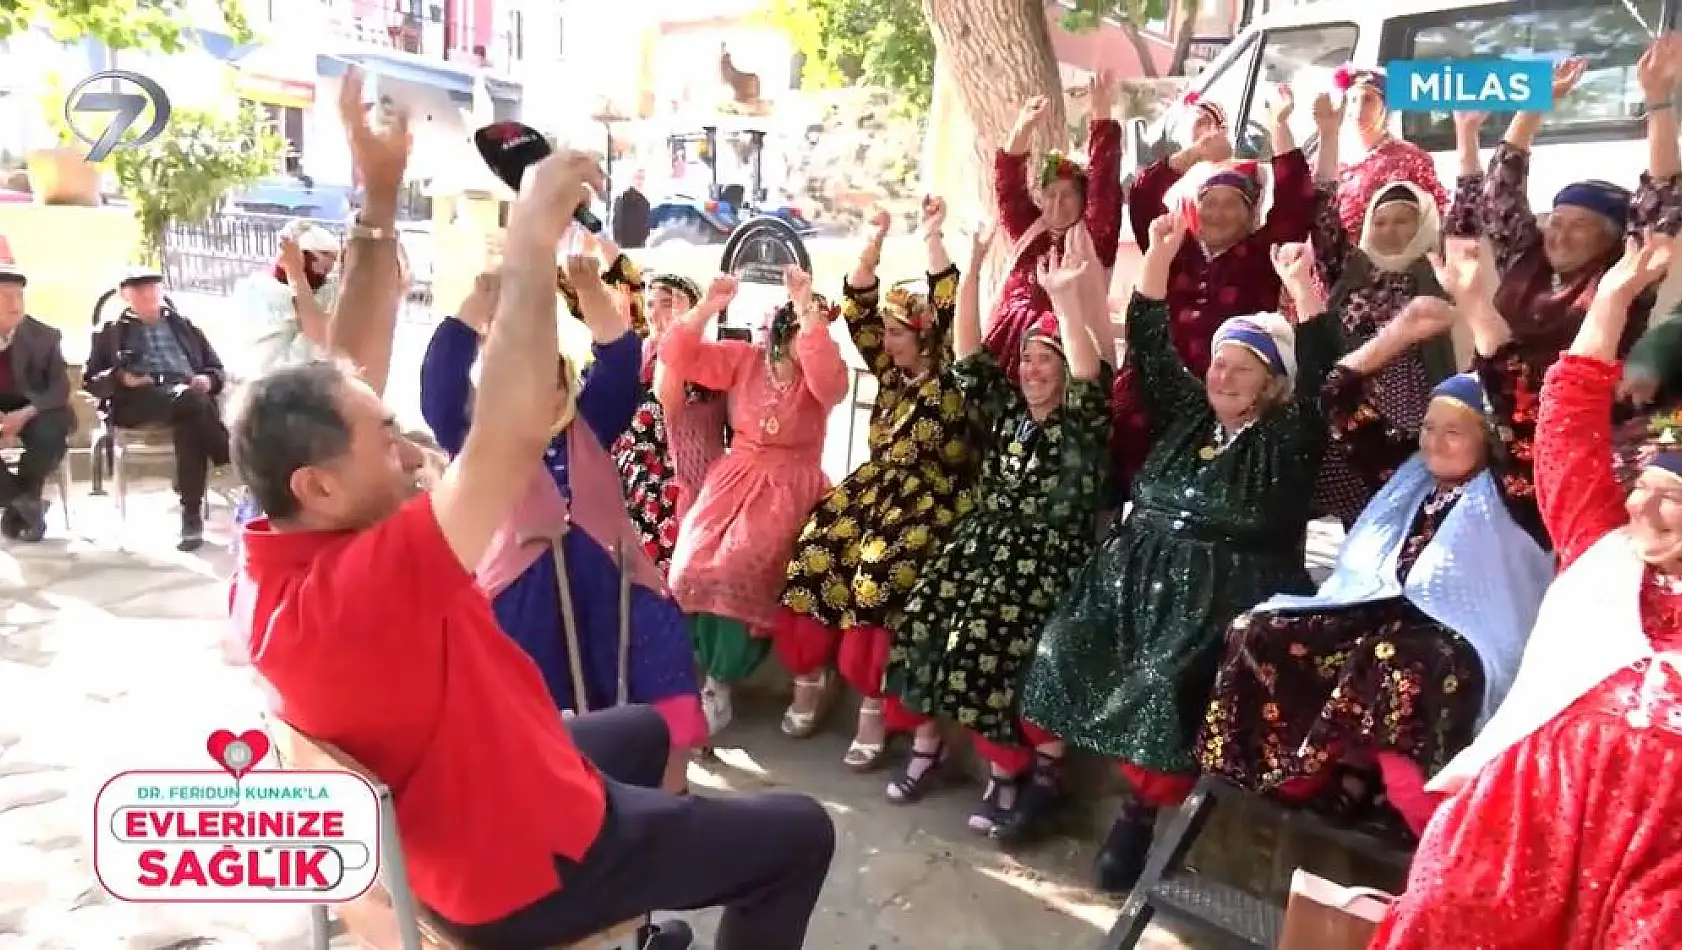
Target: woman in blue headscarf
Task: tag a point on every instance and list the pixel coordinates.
(1415, 637)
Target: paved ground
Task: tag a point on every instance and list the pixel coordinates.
(112, 660)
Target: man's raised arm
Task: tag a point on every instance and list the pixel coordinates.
(518, 382)
(364, 318)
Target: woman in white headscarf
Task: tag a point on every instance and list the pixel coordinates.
(1124, 666)
(1371, 278)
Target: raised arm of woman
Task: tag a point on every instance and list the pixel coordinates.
(966, 328)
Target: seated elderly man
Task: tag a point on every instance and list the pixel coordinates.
(357, 600)
(35, 411)
(152, 366)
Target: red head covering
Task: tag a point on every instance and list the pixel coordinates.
(1213, 110)
(1059, 167)
(1046, 330)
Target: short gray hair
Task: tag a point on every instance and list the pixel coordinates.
(286, 419)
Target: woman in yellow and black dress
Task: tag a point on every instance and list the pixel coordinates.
(860, 550)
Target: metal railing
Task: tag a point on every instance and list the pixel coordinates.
(212, 256)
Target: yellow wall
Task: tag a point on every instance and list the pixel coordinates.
(72, 255)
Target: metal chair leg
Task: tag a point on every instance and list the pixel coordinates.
(321, 928)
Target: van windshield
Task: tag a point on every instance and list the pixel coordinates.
(1610, 34)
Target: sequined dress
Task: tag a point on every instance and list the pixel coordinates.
(1300, 691)
(1570, 839)
(1125, 664)
(663, 457)
(860, 550)
(971, 621)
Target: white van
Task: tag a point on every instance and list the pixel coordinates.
(1597, 132)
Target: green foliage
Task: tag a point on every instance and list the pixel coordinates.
(887, 43)
(882, 43)
(119, 24)
(184, 173)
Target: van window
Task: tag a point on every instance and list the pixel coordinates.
(1611, 36)
(1303, 58)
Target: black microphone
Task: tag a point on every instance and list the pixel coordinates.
(509, 148)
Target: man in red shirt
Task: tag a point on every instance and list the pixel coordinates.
(357, 601)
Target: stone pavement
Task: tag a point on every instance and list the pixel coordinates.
(112, 659)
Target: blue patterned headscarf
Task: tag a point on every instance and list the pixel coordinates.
(1464, 391)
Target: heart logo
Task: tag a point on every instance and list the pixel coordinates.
(238, 754)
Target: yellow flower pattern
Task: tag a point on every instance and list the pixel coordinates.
(860, 551)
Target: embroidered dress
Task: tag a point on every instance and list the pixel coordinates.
(661, 663)
(734, 545)
(1565, 827)
(860, 550)
(1204, 290)
(1367, 291)
(1124, 666)
(971, 621)
(1022, 301)
(1393, 654)
(663, 457)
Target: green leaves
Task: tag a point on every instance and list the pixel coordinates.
(183, 174)
(119, 24)
(882, 43)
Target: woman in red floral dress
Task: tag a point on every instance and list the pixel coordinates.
(1227, 271)
(1077, 204)
(1382, 159)
(1565, 826)
(675, 435)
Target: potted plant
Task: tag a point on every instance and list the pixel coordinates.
(61, 175)
(183, 175)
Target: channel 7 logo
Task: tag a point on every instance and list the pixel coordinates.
(125, 99)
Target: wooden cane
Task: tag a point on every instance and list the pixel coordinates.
(623, 561)
(569, 626)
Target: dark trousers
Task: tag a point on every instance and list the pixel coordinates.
(193, 419)
(762, 857)
(44, 441)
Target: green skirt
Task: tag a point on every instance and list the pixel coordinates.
(728, 653)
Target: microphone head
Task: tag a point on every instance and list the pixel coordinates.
(509, 148)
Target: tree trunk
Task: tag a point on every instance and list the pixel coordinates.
(1182, 37)
(1141, 49)
(991, 56)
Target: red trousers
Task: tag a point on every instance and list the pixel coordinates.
(806, 646)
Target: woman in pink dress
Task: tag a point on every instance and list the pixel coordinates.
(735, 543)
(1081, 205)
(1382, 159)
(1565, 826)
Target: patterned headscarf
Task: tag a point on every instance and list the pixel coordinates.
(785, 323)
(1348, 77)
(1243, 177)
(678, 284)
(1269, 337)
(908, 308)
(1048, 331)
(1059, 167)
(1213, 110)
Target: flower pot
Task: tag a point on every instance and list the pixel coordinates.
(61, 176)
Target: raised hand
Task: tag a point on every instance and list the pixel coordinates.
(1058, 273)
(291, 258)
(719, 293)
(552, 191)
(1031, 112)
(1101, 88)
(1168, 232)
(476, 310)
(379, 155)
(980, 240)
(934, 217)
(1469, 124)
(583, 272)
(1282, 104)
(1463, 271)
(1644, 264)
(881, 223)
(1658, 69)
(1294, 263)
(1214, 147)
(798, 284)
(1423, 318)
(1328, 113)
(1567, 74)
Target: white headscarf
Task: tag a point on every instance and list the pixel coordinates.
(1428, 237)
(1279, 331)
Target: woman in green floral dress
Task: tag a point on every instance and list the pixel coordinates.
(861, 548)
(1219, 515)
(970, 624)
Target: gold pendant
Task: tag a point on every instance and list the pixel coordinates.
(1207, 453)
(770, 426)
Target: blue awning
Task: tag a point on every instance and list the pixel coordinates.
(457, 83)
(221, 45)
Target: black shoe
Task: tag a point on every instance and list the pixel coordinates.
(26, 519)
(666, 935)
(1122, 858)
(1039, 801)
(192, 528)
(11, 526)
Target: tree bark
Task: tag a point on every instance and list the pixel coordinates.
(991, 56)
(1141, 49)
(1183, 34)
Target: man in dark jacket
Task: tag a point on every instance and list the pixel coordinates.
(153, 367)
(35, 411)
(630, 215)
